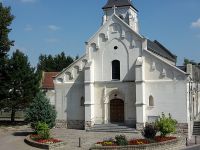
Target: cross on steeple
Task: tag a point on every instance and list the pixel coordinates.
(114, 8)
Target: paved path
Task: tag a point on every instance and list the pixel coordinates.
(191, 143)
(12, 138)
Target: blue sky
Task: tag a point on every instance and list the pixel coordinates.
(52, 26)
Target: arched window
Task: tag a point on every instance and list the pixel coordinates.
(82, 101)
(116, 70)
(151, 100)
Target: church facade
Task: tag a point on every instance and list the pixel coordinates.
(124, 78)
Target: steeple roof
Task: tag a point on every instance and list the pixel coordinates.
(118, 3)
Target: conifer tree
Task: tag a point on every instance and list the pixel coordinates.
(21, 84)
(41, 110)
(55, 63)
(6, 19)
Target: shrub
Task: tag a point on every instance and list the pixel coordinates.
(41, 110)
(166, 125)
(42, 129)
(121, 140)
(149, 131)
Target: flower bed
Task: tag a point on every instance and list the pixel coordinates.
(157, 139)
(38, 139)
(51, 144)
(159, 143)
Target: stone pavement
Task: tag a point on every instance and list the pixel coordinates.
(192, 145)
(12, 138)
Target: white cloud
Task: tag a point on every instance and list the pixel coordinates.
(196, 24)
(53, 27)
(28, 1)
(51, 40)
(28, 28)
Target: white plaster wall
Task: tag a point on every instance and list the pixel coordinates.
(101, 50)
(50, 94)
(68, 95)
(127, 93)
(74, 110)
(128, 13)
(154, 69)
(169, 97)
(168, 86)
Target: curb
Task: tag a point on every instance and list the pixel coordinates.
(54, 146)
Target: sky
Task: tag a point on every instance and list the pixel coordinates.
(53, 26)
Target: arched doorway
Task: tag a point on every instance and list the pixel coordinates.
(117, 111)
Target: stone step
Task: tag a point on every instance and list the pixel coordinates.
(119, 128)
(197, 124)
(113, 130)
(109, 127)
(196, 127)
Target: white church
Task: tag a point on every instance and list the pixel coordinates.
(124, 78)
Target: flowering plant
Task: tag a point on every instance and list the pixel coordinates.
(39, 139)
(157, 139)
(48, 141)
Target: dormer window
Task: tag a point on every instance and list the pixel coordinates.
(115, 70)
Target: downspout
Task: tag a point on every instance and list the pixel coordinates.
(191, 119)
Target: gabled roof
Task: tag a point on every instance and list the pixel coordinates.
(182, 68)
(159, 49)
(118, 3)
(173, 66)
(47, 80)
(119, 19)
(72, 64)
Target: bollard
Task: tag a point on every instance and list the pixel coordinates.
(195, 140)
(186, 141)
(79, 145)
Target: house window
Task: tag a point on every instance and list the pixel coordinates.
(82, 101)
(151, 101)
(116, 70)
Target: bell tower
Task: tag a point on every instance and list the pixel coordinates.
(125, 10)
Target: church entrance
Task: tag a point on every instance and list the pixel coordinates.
(117, 111)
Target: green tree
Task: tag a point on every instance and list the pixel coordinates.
(21, 84)
(54, 64)
(166, 125)
(41, 110)
(6, 19)
(186, 61)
